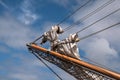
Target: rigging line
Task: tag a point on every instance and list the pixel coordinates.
(37, 39)
(85, 17)
(47, 66)
(94, 62)
(64, 19)
(100, 31)
(89, 15)
(97, 21)
(97, 31)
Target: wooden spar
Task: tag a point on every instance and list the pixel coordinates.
(79, 62)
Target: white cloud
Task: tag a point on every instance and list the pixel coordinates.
(13, 33)
(99, 50)
(28, 15)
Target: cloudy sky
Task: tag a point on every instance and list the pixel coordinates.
(21, 21)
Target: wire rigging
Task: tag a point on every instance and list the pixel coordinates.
(86, 26)
(98, 21)
(89, 15)
(37, 39)
(64, 19)
(47, 66)
(83, 18)
(96, 63)
(99, 31)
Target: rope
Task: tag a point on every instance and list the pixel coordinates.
(89, 15)
(97, 21)
(47, 66)
(94, 23)
(65, 18)
(73, 13)
(82, 19)
(37, 39)
(96, 63)
(100, 31)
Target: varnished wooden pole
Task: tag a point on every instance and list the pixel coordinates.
(79, 62)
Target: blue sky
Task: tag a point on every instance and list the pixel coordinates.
(21, 21)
